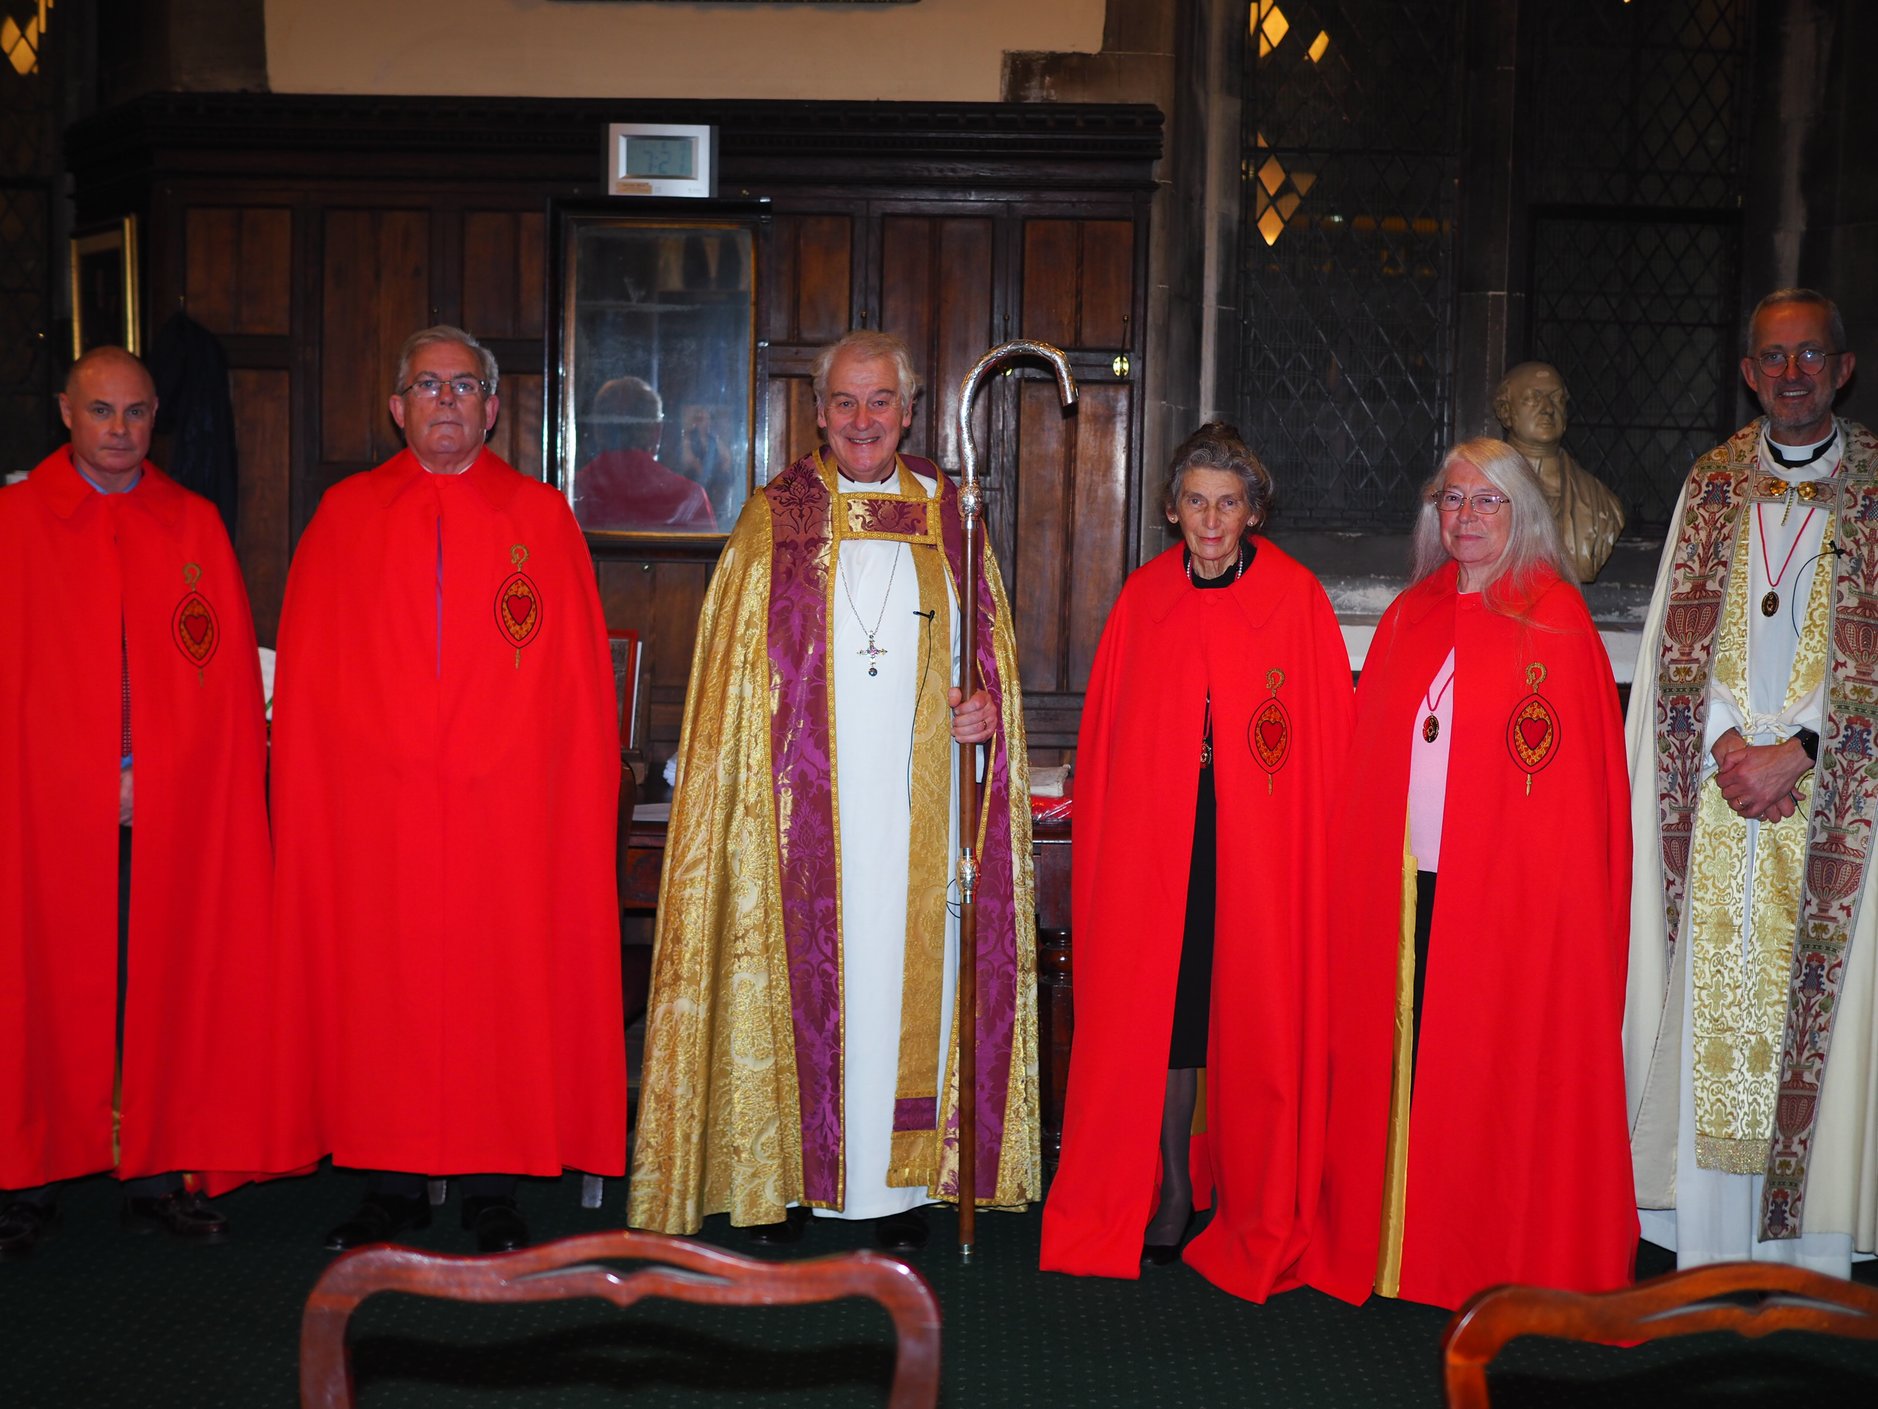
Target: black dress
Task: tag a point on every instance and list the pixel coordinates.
(1193, 990)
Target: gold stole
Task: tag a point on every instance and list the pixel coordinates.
(913, 1161)
(1401, 1087)
(1738, 1005)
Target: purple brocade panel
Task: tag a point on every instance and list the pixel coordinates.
(801, 766)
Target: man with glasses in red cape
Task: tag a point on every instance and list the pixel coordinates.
(445, 783)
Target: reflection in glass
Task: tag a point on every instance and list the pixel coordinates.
(656, 393)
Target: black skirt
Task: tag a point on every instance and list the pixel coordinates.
(1193, 991)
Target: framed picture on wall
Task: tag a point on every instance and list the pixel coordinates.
(105, 310)
(653, 422)
(625, 647)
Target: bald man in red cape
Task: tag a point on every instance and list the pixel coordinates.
(446, 775)
(130, 692)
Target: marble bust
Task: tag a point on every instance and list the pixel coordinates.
(1530, 403)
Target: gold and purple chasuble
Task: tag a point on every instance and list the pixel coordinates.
(742, 1106)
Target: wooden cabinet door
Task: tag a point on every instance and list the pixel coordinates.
(936, 290)
(808, 299)
(1080, 291)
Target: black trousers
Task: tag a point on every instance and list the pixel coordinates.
(1424, 923)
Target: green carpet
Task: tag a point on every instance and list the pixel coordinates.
(104, 1317)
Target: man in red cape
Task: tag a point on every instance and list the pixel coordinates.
(1268, 656)
(1515, 1165)
(445, 786)
(130, 654)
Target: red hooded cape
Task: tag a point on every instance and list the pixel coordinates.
(210, 1080)
(1518, 1157)
(1277, 747)
(445, 783)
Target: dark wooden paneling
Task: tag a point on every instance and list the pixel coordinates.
(502, 273)
(1108, 262)
(936, 292)
(660, 601)
(1079, 282)
(263, 437)
(1071, 555)
(1045, 503)
(793, 429)
(517, 434)
(375, 293)
(1097, 560)
(238, 272)
(314, 233)
(808, 296)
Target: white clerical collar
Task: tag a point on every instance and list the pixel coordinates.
(1821, 457)
(889, 485)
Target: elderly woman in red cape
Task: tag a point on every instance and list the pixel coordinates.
(1490, 753)
(1219, 704)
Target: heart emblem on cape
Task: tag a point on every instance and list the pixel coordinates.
(520, 604)
(1271, 734)
(197, 625)
(1533, 729)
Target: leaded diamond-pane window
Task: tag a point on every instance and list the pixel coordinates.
(1638, 315)
(1639, 104)
(1636, 233)
(1348, 166)
(28, 165)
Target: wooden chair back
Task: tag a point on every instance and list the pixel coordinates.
(682, 1270)
(1772, 1298)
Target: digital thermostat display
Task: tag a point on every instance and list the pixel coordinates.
(661, 156)
(662, 159)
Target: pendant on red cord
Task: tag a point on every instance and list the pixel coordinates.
(1532, 731)
(193, 626)
(518, 605)
(1268, 734)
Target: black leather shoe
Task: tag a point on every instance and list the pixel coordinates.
(902, 1232)
(497, 1223)
(181, 1212)
(1162, 1254)
(24, 1226)
(381, 1217)
(781, 1233)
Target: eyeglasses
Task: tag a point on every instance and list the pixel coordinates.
(462, 387)
(1812, 361)
(1449, 501)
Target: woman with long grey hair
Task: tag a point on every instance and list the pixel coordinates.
(1477, 1120)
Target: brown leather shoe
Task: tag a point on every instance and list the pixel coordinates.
(24, 1226)
(181, 1212)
